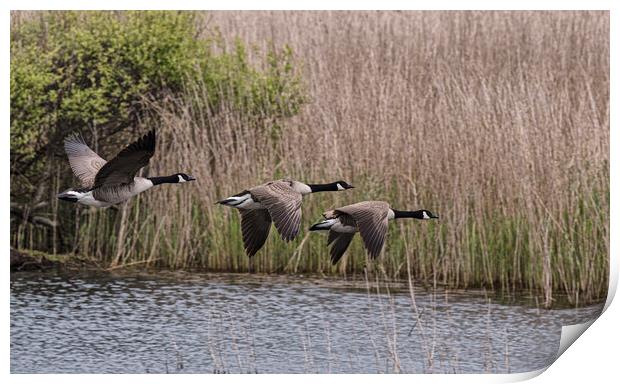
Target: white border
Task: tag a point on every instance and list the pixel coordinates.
(594, 356)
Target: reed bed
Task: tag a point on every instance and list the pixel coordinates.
(496, 121)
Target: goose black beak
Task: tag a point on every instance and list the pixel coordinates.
(434, 217)
(190, 178)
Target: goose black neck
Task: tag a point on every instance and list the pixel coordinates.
(323, 187)
(164, 179)
(404, 214)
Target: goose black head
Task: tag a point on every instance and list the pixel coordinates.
(342, 185)
(421, 214)
(339, 185)
(183, 177)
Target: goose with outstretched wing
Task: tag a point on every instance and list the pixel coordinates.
(107, 183)
(278, 202)
(369, 218)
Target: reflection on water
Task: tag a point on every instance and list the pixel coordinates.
(205, 323)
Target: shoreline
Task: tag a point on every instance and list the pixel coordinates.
(36, 261)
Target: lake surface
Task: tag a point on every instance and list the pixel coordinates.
(210, 323)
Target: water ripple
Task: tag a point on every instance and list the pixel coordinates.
(207, 323)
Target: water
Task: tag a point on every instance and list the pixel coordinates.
(205, 323)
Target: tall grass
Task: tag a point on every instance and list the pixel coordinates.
(497, 121)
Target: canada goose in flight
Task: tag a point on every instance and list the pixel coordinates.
(370, 218)
(278, 201)
(107, 183)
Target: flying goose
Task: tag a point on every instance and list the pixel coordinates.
(370, 218)
(107, 183)
(278, 201)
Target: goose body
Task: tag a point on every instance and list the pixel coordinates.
(107, 183)
(278, 202)
(369, 218)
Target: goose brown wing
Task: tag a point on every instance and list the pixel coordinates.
(341, 243)
(283, 204)
(84, 162)
(371, 218)
(123, 168)
(255, 225)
